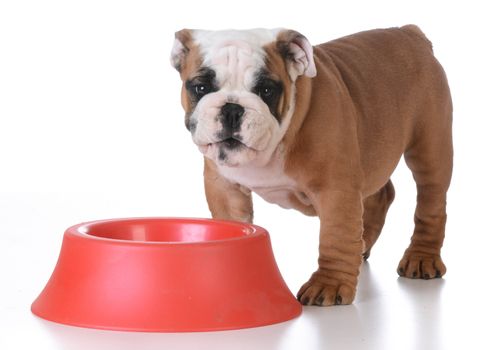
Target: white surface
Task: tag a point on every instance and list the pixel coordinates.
(91, 128)
(389, 312)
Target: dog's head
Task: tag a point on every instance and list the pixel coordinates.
(238, 89)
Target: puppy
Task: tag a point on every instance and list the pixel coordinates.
(321, 129)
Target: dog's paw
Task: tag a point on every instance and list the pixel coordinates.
(421, 265)
(322, 292)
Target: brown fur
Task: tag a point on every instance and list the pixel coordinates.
(226, 200)
(275, 64)
(387, 96)
(378, 95)
(188, 65)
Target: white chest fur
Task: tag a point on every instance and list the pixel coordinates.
(269, 181)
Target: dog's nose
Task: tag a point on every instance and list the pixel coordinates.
(232, 114)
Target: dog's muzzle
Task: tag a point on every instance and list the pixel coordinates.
(231, 120)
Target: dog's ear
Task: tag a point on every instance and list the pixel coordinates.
(298, 53)
(181, 47)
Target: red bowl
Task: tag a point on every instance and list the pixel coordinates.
(166, 275)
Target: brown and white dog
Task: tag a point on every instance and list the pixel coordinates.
(321, 129)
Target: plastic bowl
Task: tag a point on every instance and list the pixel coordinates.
(166, 275)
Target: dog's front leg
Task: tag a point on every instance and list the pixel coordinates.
(226, 200)
(341, 248)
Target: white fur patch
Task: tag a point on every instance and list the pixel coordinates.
(235, 55)
(269, 181)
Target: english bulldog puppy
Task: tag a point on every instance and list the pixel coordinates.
(321, 129)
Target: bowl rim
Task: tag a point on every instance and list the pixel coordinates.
(80, 231)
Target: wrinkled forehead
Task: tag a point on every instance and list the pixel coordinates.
(235, 55)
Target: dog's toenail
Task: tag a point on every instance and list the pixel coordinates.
(319, 301)
(438, 274)
(338, 300)
(414, 274)
(426, 276)
(401, 272)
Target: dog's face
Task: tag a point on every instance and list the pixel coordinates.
(238, 89)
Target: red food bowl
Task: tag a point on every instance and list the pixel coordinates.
(166, 275)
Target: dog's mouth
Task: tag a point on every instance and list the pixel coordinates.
(230, 151)
(227, 144)
(230, 143)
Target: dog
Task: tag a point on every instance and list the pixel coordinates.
(321, 129)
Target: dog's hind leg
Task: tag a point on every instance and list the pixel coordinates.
(430, 158)
(375, 208)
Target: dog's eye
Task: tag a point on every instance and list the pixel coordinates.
(202, 84)
(202, 89)
(269, 90)
(266, 92)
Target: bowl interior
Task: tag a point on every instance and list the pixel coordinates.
(167, 230)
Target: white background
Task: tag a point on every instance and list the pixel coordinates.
(91, 127)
